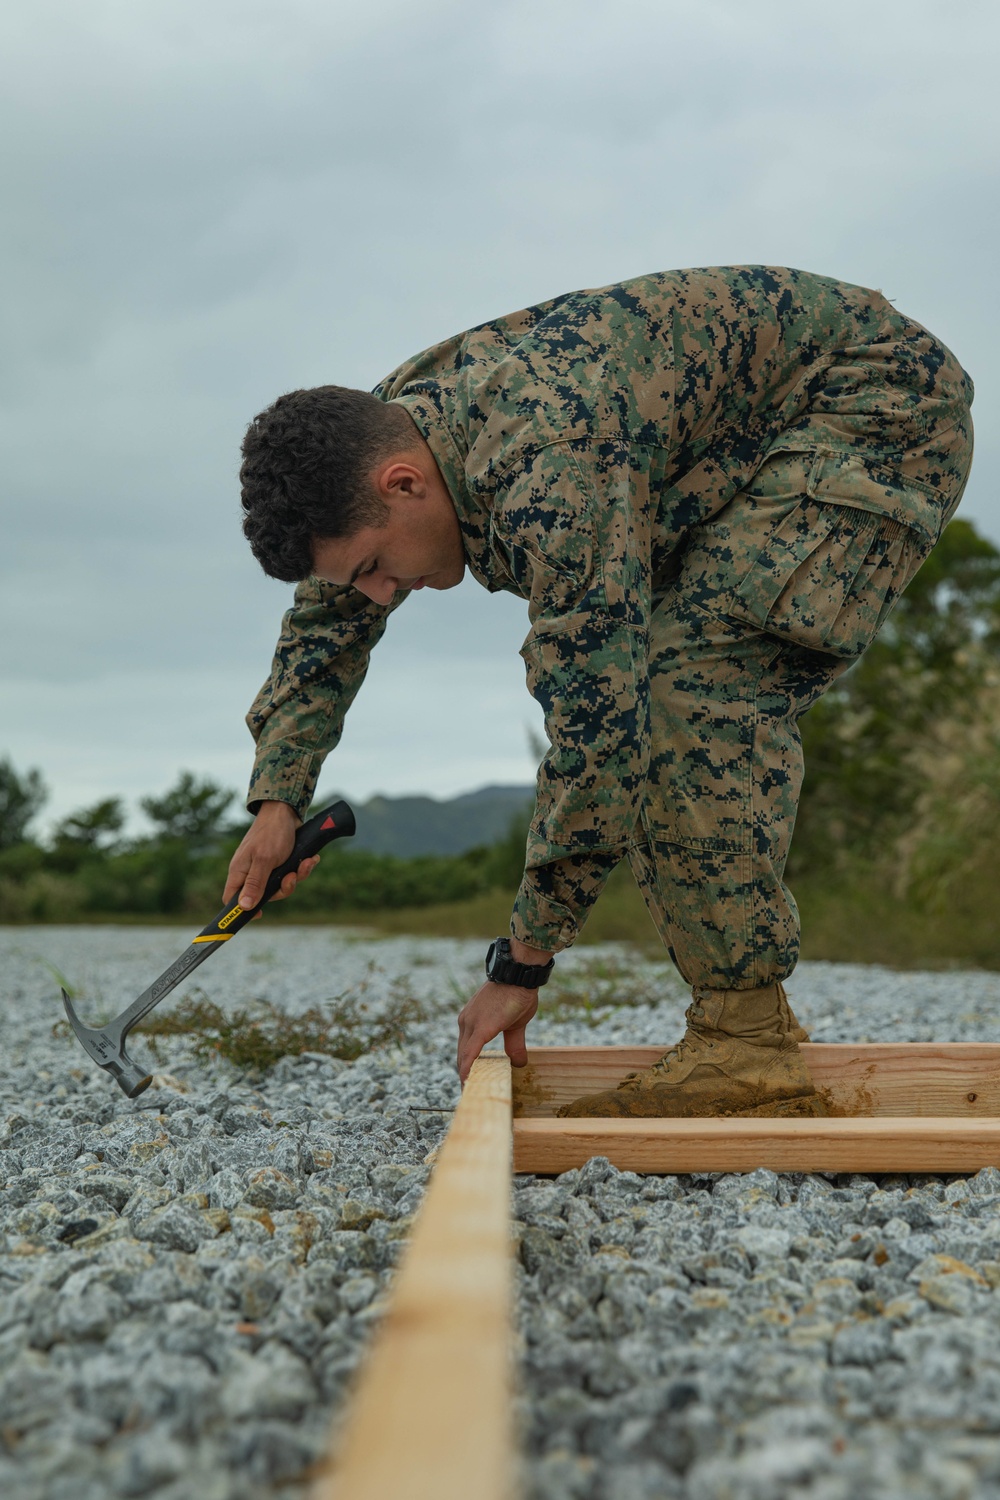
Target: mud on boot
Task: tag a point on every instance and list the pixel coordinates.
(738, 1056)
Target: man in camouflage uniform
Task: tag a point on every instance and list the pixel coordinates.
(710, 486)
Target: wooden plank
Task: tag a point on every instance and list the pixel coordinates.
(874, 1144)
(431, 1417)
(877, 1079)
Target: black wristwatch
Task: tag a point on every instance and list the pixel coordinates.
(503, 969)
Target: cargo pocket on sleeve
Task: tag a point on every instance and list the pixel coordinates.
(827, 577)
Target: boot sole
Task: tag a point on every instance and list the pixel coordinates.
(610, 1107)
(805, 1106)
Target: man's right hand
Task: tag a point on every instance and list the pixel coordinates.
(268, 843)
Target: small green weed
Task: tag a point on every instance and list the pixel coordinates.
(255, 1038)
(71, 989)
(61, 1028)
(587, 991)
(460, 991)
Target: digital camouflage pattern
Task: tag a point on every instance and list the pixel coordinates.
(709, 486)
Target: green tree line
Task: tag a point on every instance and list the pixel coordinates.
(893, 855)
(898, 829)
(89, 869)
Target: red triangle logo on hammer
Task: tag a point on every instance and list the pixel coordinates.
(328, 824)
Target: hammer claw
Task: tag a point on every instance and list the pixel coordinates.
(107, 1048)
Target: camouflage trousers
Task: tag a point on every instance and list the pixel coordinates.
(776, 596)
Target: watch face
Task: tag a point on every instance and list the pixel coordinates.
(490, 956)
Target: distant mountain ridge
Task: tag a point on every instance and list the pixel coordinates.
(407, 826)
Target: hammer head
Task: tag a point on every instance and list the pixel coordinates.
(107, 1047)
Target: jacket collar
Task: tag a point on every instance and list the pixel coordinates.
(427, 405)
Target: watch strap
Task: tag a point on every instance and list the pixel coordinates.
(503, 968)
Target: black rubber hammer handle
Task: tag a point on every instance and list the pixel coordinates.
(336, 822)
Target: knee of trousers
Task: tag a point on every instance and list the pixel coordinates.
(725, 925)
(725, 765)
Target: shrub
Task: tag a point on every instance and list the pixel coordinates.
(255, 1038)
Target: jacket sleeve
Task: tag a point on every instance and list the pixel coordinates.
(574, 526)
(319, 663)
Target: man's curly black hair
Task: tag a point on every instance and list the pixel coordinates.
(306, 472)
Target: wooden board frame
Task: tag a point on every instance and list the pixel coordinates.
(895, 1107)
(431, 1417)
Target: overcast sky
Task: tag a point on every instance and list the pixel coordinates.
(205, 205)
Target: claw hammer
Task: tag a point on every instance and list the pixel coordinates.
(106, 1044)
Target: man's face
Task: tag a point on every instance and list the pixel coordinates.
(420, 545)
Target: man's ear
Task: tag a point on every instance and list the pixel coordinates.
(401, 478)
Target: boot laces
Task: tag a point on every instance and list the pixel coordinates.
(691, 1044)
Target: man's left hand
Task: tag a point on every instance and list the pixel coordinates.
(495, 1008)
(492, 1009)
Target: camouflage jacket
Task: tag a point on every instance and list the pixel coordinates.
(581, 440)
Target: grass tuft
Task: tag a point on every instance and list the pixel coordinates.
(71, 989)
(256, 1038)
(589, 990)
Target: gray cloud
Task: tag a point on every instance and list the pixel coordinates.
(208, 205)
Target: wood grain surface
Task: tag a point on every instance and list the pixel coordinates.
(431, 1416)
(895, 1107)
(871, 1079)
(875, 1144)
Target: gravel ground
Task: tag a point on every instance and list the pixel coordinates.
(186, 1283)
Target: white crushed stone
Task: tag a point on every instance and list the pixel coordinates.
(717, 1337)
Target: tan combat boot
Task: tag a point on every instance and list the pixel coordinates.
(738, 1056)
(797, 1033)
